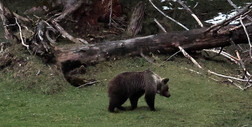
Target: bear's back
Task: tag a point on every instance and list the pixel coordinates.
(126, 82)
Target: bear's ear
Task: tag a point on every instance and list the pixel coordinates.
(148, 71)
(165, 80)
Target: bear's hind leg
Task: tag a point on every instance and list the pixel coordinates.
(111, 107)
(116, 102)
(120, 102)
(121, 108)
(134, 99)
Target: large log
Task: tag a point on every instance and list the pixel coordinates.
(73, 59)
(191, 40)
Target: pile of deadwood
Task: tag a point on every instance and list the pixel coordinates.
(40, 40)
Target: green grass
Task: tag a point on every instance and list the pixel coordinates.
(195, 100)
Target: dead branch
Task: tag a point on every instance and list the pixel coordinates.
(160, 26)
(38, 73)
(173, 55)
(248, 84)
(167, 16)
(237, 9)
(69, 10)
(241, 63)
(197, 3)
(228, 77)
(190, 11)
(237, 60)
(225, 54)
(21, 35)
(240, 87)
(189, 57)
(191, 70)
(180, 48)
(111, 11)
(232, 4)
(24, 19)
(88, 84)
(226, 22)
(67, 35)
(246, 32)
(148, 59)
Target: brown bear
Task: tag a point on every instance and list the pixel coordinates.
(133, 85)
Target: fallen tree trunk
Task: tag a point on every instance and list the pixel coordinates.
(73, 58)
(160, 43)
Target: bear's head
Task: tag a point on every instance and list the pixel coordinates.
(162, 88)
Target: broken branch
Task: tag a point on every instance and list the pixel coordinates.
(223, 53)
(235, 84)
(226, 22)
(229, 77)
(147, 59)
(160, 26)
(167, 16)
(67, 35)
(189, 57)
(246, 32)
(69, 11)
(21, 35)
(190, 11)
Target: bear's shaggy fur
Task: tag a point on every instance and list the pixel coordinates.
(133, 85)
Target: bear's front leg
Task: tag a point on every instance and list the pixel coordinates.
(150, 100)
(134, 99)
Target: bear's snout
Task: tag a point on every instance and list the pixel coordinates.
(167, 95)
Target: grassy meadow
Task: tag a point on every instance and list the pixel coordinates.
(45, 99)
(196, 100)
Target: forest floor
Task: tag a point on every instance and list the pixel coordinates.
(35, 94)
